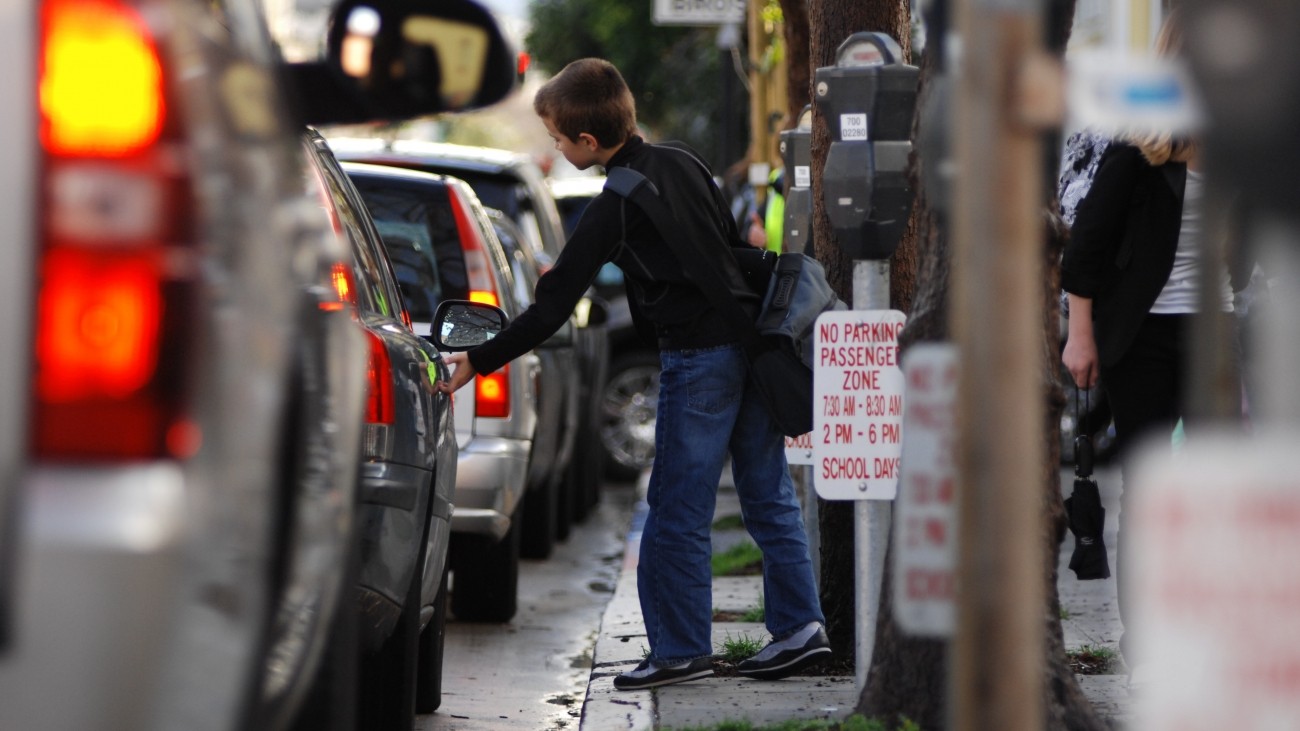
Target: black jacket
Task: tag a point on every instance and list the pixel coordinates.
(614, 229)
(1122, 244)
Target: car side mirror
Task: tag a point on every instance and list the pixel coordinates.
(461, 324)
(389, 60)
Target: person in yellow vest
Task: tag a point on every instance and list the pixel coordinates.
(765, 233)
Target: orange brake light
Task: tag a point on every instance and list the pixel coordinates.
(101, 90)
(492, 394)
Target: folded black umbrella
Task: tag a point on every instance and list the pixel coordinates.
(1087, 517)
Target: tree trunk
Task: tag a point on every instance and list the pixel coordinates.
(908, 677)
(830, 22)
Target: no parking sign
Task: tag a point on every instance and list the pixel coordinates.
(857, 436)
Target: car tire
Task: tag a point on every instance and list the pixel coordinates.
(486, 583)
(629, 401)
(388, 676)
(564, 502)
(540, 528)
(591, 466)
(433, 643)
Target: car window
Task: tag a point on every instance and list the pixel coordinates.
(419, 231)
(493, 191)
(571, 211)
(409, 248)
(521, 260)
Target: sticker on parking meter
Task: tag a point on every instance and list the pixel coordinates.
(798, 450)
(857, 404)
(853, 126)
(802, 176)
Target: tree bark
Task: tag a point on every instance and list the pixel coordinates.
(908, 677)
(830, 22)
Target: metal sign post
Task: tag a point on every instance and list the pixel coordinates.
(858, 431)
(872, 517)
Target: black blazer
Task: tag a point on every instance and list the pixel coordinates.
(1122, 244)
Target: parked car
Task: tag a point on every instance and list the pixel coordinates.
(513, 184)
(442, 246)
(181, 395)
(629, 399)
(548, 508)
(408, 476)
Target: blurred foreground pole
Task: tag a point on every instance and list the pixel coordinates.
(997, 663)
(1247, 66)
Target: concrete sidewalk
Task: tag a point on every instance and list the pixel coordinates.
(1091, 619)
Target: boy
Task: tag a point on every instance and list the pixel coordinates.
(705, 408)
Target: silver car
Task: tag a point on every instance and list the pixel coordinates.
(181, 393)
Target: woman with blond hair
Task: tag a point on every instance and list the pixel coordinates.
(1131, 272)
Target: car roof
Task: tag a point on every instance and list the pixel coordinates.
(579, 186)
(389, 171)
(484, 159)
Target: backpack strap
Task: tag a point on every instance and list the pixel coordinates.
(697, 267)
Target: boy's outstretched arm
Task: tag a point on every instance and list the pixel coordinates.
(461, 372)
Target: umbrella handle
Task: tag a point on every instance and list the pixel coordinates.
(1083, 456)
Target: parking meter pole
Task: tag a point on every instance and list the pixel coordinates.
(871, 517)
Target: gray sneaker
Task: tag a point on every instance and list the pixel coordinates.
(649, 675)
(784, 658)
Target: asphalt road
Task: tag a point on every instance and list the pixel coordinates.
(532, 672)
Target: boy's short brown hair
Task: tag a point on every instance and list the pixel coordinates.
(589, 95)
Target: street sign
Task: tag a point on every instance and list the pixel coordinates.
(798, 450)
(1118, 93)
(1213, 535)
(857, 404)
(699, 12)
(925, 518)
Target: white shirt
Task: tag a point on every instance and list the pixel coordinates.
(1179, 297)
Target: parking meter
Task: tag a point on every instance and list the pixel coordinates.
(868, 98)
(796, 156)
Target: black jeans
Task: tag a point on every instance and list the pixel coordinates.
(1145, 390)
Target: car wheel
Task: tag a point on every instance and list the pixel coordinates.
(388, 676)
(541, 517)
(590, 462)
(630, 401)
(486, 583)
(428, 684)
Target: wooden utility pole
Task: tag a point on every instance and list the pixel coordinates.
(997, 663)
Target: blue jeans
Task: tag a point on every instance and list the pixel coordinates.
(705, 411)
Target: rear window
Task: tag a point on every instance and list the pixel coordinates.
(419, 231)
(571, 209)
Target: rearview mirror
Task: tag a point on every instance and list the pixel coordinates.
(389, 60)
(461, 324)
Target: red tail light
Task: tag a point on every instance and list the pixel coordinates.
(112, 310)
(492, 394)
(379, 406)
(342, 281)
(478, 267)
